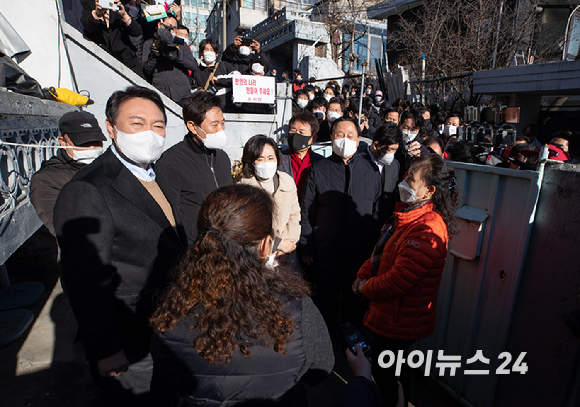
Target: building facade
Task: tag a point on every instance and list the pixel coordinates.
(194, 15)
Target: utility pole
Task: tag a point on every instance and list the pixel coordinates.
(224, 21)
(497, 33)
(197, 22)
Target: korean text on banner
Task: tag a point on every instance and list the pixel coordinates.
(254, 89)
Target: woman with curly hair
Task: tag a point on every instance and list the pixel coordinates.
(402, 277)
(229, 329)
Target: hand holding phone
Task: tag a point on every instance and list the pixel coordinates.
(358, 363)
(353, 337)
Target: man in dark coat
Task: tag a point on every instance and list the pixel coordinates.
(340, 213)
(112, 30)
(77, 129)
(169, 74)
(381, 153)
(119, 236)
(208, 52)
(194, 167)
(297, 160)
(240, 55)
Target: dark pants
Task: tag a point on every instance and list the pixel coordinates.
(336, 302)
(385, 378)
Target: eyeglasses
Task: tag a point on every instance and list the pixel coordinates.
(170, 27)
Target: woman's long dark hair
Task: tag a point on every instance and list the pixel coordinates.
(440, 174)
(225, 283)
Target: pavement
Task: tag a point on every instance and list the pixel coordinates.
(46, 367)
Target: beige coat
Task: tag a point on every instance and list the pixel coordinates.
(287, 216)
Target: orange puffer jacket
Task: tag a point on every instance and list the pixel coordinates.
(404, 292)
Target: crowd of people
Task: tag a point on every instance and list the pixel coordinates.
(160, 51)
(192, 289)
(428, 129)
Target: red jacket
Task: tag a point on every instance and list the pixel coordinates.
(404, 292)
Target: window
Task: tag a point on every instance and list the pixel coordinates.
(360, 48)
(376, 50)
(206, 4)
(185, 2)
(254, 4)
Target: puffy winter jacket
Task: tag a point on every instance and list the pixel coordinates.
(265, 378)
(404, 292)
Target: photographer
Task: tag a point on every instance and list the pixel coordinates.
(167, 60)
(239, 54)
(112, 30)
(209, 64)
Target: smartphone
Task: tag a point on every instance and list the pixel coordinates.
(353, 337)
(109, 4)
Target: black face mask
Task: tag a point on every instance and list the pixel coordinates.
(297, 141)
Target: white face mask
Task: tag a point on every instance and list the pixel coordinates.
(311, 96)
(319, 114)
(408, 136)
(266, 170)
(387, 158)
(344, 147)
(88, 155)
(302, 103)
(144, 147)
(332, 116)
(368, 91)
(408, 194)
(449, 130)
(327, 97)
(378, 98)
(272, 262)
(215, 141)
(245, 51)
(258, 68)
(209, 57)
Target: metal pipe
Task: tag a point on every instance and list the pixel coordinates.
(361, 93)
(423, 79)
(224, 22)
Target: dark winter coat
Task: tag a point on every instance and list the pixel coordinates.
(190, 172)
(170, 76)
(224, 86)
(47, 183)
(241, 63)
(340, 217)
(286, 165)
(390, 181)
(117, 247)
(264, 377)
(115, 39)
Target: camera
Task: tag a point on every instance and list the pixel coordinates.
(167, 46)
(247, 41)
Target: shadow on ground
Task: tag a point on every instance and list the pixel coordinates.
(46, 367)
